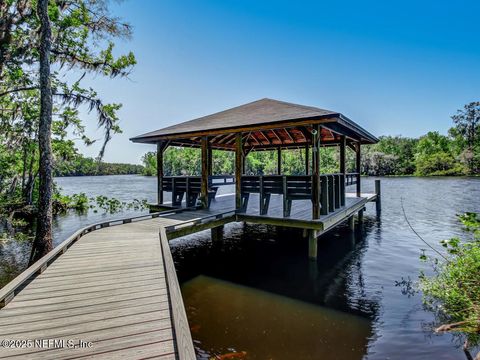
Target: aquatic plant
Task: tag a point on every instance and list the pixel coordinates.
(452, 293)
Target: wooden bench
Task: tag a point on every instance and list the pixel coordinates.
(190, 188)
(295, 188)
(291, 187)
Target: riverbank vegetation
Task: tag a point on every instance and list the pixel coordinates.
(87, 166)
(432, 154)
(453, 292)
(48, 50)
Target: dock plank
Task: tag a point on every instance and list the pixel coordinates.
(110, 288)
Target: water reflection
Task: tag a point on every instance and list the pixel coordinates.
(234, 321)
(257, 289)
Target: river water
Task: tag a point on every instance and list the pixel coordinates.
(257, 296)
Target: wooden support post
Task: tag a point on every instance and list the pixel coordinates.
(351, 222)
(160, 148)
(358, 167)
(343, 144)
(279, 161)
(378, 191)
(238, 170)
(312, 244)
(307, 159)
(244, 162)
(210, 160)
(316, 171)
(204, 184)
(217, 233)
(360, 216)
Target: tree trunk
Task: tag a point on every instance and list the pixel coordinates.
(43, 238)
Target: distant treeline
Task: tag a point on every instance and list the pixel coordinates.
(432, 154)
(85, 166)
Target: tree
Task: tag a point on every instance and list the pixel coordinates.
(78, 29)
(43, 237)
(434, 156)
(467, 132)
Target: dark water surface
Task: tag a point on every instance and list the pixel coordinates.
(256, 295)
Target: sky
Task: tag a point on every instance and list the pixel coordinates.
(394, 67)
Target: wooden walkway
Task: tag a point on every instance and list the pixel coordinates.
(114, 294)
(110, 291)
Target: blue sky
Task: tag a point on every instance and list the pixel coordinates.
(398, 68)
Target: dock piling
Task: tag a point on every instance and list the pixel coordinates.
(351, 223)
(378, 201)
(360, 216)
(312, 244)
(217, 233)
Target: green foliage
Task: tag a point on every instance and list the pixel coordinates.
(112, 205)
(78, 165)
(82, 203)
(453, 291)
(467, 134)
(440, 164)
(83, 34)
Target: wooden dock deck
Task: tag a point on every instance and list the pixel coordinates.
(111, 291)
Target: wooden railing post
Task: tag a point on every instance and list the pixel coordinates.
(331, 193)
(358, 164)
(324, 195)
(307, 159)
(205, 167)
(279, 161)
(160, 149)
(238, 170)
(316, 171)
(343, 145)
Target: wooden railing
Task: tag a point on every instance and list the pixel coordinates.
(332, 191)
(351, 179)
(8, 292)
(181, 328)
(219, 180)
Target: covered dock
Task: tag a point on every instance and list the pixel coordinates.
(312, 200)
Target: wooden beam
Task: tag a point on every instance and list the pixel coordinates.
(276, 135)
(254, 137)
(266, 137)
(358, 165)
(289, 135)
(316, 172)
(204, 184)
(227, 136)
(238, 170)
(306, 134)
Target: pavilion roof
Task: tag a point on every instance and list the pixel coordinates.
(266, 123)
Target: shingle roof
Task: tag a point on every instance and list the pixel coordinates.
(262, 112)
